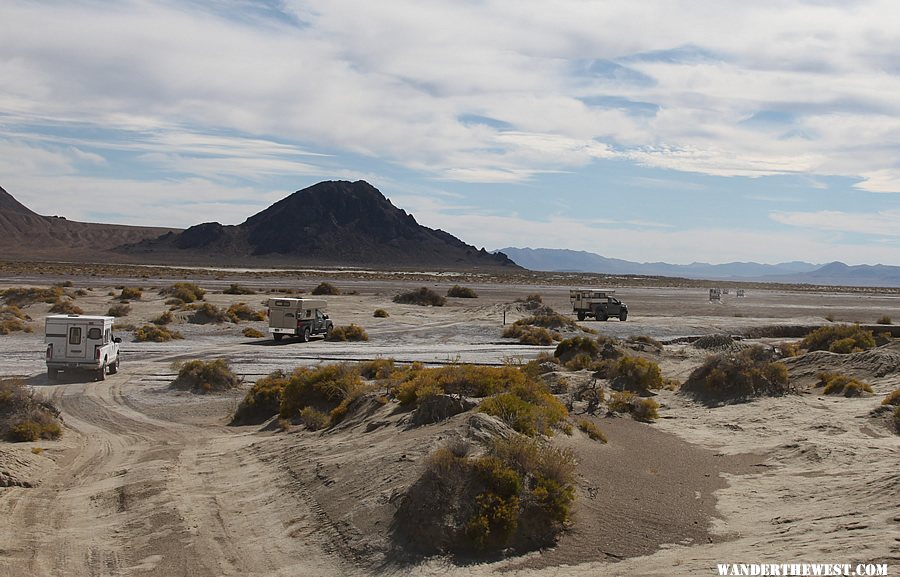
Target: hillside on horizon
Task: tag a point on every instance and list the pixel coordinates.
(332, 223)
(835, 273)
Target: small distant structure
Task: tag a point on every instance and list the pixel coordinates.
(715, 294)
(740, 293)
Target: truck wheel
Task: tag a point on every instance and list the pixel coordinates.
(581, 315)
(305, 336)
(114, 368)
(101, 374)
(328, 330)
(622, 316)
(602, 316)
(277, 336)
(52, 374)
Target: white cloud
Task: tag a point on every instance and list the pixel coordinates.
(885, 223)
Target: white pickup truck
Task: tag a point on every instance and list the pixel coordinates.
(298, 317)
(81, 342)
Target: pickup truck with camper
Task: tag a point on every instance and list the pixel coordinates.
(298, 317)
(598, 303)
(81, 342)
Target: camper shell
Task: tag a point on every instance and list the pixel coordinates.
(598, 303)
(298, 317)
(81, 342)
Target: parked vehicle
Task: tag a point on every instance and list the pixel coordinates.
(81, 342)
(598, 303)
(298, 317)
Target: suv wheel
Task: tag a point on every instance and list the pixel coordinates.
(623, 315)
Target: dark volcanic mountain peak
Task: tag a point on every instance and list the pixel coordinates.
(9, 205)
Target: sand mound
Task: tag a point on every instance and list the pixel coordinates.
(871, 364)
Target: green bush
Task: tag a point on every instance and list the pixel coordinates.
(380, 314)
(592, 430)
(416, 382)
(884, 320)
(575, 346)
(835, 384)
(841, 339)
(461, 292)
(155, 334)
(130, 294)
(120, 310)
(252, 333)
(892, 398)
(24, 418)
(65, 307)
(528, 408)
(186, 292)
(12, 319)
(326, 385)
(313, 419)
(326, 288)
(206, 313)
(548, 319)
(423, 296)
(242, 312)
(263, 400)
(639, 409)
(23, 297)
(377, 369)
(236, 289)
(729, 377)
(349, 332)
(635, 374)
(164, 319)
(205, 376)
(529, 335)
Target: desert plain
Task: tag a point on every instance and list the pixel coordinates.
(146, 480)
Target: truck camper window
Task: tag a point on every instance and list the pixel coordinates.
(282, 304)
(74, 335)
(308, 313)
(94, 333)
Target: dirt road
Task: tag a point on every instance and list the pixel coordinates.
(135, 494)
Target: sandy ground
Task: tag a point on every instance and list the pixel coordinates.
(150, 482)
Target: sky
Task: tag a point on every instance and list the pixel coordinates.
(660, 130)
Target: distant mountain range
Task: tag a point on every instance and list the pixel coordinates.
(333, 223)
(835, 273)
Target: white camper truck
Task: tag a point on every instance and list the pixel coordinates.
(598, 303)
(81, 342)
(298, 317)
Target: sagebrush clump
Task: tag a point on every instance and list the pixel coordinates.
(380, 314)
(349, 332)
(119, 310)
(423, 296)
(185, 292)
(530, 335)
(252, 333)
(205, 376)
(206, 313)
(460, 292)
(23, 297)
(639, 408)
(156, 334)
(13, 319)
(130, 294)
(635, 374)
(731, 377)
(591, 429)
(326, 288)
(837, 384)
(23, 417)
(843, 339)
(243, 312)
(66, 307)
(236, 289)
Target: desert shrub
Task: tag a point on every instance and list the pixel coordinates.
(185, 292)
(883, 338)
(529, 335)
(349, 332)
(252, 333)
(13, 319)
(313, 419)
(66, 307)
(380, 314)
(263, 400)
(120, 310)
(461, 292)
(156, 334)
(789, 349)
(326, 288)
(530, 302)
(205, 376)
(416, 382)
(236, 289)
(548, 319)
(639, 409)
(727, 377)
(164, 319)
(326, 385)
(836, 384)
(839, 339)
(528, 408)
(423, 296)
(377, 369)
(635, 374)
(574, 346)
(884, 320)
(896, 419)
(242, 312)
(81, 293)
(206, 313)
(591, 429)
(892, 398)
(24, 418)
(519, 495)
(130, 294)
(23, 297)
